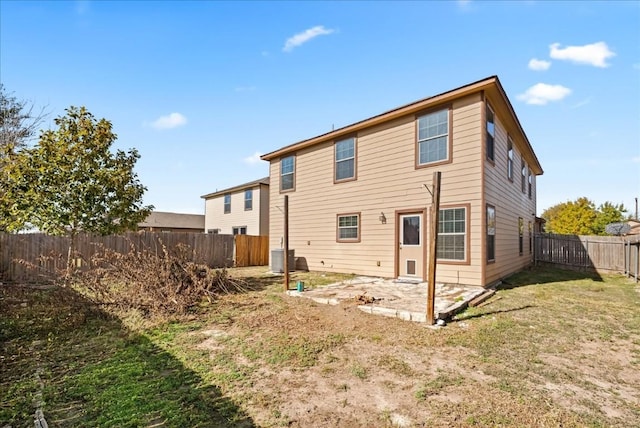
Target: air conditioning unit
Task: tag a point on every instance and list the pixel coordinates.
(277, 260)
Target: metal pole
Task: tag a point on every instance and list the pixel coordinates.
(433, 248)
(286, 242)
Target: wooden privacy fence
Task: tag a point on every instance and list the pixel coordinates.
(251, 250)
(600, 253)
(40, 257)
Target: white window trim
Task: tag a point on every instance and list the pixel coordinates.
(510, 159)
(357, 227)
(427, 140)
(338, 161)
(493, 135)
(491, 231)
(292, 173)
(464, 234)
(239, 230)
(250, 192)
(225, 204)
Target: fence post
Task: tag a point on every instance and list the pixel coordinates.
(627, 256)
(637, 258)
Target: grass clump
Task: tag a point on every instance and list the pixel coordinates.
(438, 384)
(359, 371)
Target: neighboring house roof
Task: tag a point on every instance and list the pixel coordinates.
(173, 220)
(491, 85)
(635, 227)
(249, 185)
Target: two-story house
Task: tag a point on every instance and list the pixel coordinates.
(238, 210)
(358, 197)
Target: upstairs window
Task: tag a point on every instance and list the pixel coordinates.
(345, 156)
(530, 182)
(523, 177)
(510, 159)
(227, 203)
(491, 134)
(287, 173)
(248, 200)
(433, 137)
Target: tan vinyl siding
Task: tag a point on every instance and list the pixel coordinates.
(510, 203)
(387, 181)
(264, 209)
(215, 218)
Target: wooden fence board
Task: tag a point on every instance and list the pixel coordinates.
(599, 253)
(36, 257)
(251, 250)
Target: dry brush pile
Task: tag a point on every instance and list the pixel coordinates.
(154, 282)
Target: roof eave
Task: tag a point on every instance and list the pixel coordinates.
(261, 182)
(410, 108)
(536, 167)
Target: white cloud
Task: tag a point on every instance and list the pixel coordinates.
(253, 159)
(305, 36)
(635, 159)
(464, 4)
(582, 103)
(245, 88)
(595, 54)
(172, 120)
(542, 93)
(82, 7)
(539, 64)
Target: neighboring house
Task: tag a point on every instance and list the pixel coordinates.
(239, 210)
(359, 196)
(634, 227)
(159, 221)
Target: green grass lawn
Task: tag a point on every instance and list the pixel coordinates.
(550, 348)
(94, 371)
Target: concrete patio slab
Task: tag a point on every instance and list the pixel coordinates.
(394, 298)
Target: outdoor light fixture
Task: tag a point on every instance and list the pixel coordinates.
(382, 218)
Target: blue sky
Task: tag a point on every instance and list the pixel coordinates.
(202, 88)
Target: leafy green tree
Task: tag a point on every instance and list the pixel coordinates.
(18, 125)
(70, 181)
(581, 217)
(608, 213)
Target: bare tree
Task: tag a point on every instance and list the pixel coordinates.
(19, 122)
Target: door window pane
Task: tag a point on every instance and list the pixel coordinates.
(411, 230)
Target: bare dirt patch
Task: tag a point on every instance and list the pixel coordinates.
(304, 364)
(603, 377)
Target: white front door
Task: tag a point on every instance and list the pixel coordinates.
(411, 247)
